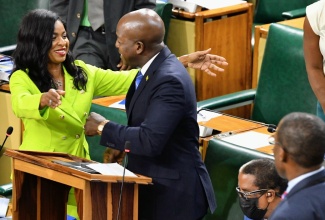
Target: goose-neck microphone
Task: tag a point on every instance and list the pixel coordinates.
(8, 133)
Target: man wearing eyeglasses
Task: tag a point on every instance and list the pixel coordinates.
(259, 188)
(299, 149)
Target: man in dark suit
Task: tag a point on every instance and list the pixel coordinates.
(162, 126)
(88, 42)
(299, 151)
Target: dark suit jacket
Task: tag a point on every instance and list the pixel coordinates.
(71, 12)
(163, 132)
(303, 203)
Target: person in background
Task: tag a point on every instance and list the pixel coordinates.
(52, 93)
(314, 51)
(91, 27)
(259, 188)
(299, 148)
(162, 125)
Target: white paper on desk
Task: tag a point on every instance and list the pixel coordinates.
(250, 139)
(112, 169)
(118, 105)
(3, 206)
(205, 115)
(213, 4)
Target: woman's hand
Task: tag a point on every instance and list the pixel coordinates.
(52, 98)
(204, 61)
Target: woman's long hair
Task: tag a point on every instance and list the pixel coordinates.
(33, 44)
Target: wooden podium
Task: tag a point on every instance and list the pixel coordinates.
(41, 187)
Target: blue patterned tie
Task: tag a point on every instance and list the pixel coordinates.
(138, 79)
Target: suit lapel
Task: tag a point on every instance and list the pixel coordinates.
(133, 95)
(68, 100)
(306, 183)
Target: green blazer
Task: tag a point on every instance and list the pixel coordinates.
(61, 129)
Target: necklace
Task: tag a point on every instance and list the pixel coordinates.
(57, 83)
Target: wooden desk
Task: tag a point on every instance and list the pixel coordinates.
(106, 101)
(260, 41)
(233, 125)
(5, 87)
(228, 32)
(223, 123)
(41, 187)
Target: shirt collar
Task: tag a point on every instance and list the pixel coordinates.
(298, 179)
(146, 66)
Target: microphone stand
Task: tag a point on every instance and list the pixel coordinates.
(125, 161)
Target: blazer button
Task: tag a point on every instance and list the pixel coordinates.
(62, 117)
(73, 34)
(78, 15)
(77, 136)
(64, 138)
(85, 113)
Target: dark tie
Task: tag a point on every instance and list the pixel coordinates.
(138, 79)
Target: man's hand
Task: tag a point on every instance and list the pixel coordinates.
(92, 123)
(204, 61)
(113, 156)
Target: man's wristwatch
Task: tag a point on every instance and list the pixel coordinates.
(101, 126)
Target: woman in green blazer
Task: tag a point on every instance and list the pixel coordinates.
(52, 93)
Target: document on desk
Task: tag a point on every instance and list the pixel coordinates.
(4, 202)
(6, 65)
(112, 169)
(204, 115)
(213, 4)
(118, 105)
(250, 139)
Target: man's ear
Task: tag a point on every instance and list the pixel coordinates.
(270, 195)
(139, 47)
(283, 155)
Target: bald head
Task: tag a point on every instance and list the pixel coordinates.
(146, 25)
(142, 31)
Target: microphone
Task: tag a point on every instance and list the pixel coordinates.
(8, 133)
(125, 161)
(271, 128)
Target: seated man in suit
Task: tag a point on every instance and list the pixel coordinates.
(259, 188)
(162, 126)
(299, 147)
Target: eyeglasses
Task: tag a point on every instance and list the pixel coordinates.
(272, 141)
(248, 195)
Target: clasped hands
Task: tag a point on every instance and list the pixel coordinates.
(110, 155)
